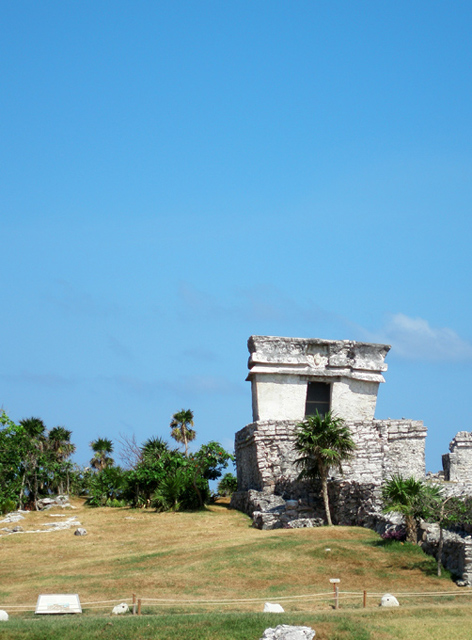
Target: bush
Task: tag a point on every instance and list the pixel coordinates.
(7, 505)
(108, 484)
(113, 502)
(227, 485)
(181, 489)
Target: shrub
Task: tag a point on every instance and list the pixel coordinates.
(227, 485)
(7, 505)
(106, 485)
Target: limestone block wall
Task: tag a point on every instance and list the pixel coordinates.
(457, 464)
(265, 455)
(457, 551)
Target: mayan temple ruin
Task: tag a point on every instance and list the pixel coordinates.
(295, 377)
(292, 378)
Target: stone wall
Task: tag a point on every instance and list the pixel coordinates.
(265, 454)
(457, 464)
(456, 554)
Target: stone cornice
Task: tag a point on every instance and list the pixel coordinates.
(316, 358)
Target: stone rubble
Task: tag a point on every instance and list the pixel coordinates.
(80, 531)
(16, 516)
(59, 501)
(288, 632)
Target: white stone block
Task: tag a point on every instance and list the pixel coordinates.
(120, 608)
(272, 608)
(3, 615)
(389, 601)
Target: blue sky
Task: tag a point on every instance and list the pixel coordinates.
(176, 176)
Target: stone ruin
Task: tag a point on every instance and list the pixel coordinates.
(294, 377)
(457, 464)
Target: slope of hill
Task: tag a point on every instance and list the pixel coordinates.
(213, 554)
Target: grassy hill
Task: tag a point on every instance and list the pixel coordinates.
(190, 559)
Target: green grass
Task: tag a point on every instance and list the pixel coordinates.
(401, 624)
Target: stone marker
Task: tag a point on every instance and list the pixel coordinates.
(80, 532)
(120, 608)
(3, 615)
(272, 608)
(389, 601)
(288, 632)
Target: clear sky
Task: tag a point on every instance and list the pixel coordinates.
(176, 176)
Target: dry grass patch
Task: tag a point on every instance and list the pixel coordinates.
(211, 554)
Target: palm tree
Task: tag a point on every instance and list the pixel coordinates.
(59, 442)
(62, 448)
(154, 447)
(35, 431)
(101, 447)
(324, 442)
(406, 496)
(181, 424)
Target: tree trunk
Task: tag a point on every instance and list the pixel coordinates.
(410, 524)
(440, 549)
(20, 499)
(441, 535)
(324, 491)
(35, 490)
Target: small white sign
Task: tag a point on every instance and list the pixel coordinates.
(334, 580)
(58, 603)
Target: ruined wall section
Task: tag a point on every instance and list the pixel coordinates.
(265, 454)
(406, 447)
(457, 464)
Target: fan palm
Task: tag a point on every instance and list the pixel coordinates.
(59, 442)
(406, 496)
(61, 448)
(324, 442)
(102, 447)
(181, 424)
(154, 447)
(35, 430)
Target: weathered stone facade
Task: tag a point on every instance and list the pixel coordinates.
(265, 454)
(348, 374)
(280, 369)
(457, 464)
(456, 553)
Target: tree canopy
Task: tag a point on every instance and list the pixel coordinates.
(181, 428)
